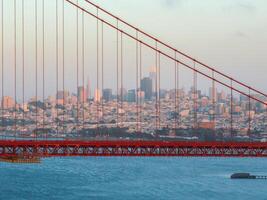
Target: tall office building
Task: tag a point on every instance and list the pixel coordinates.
(153, 76)
(107, 94)
(97, 95)
(63, 94)
(213, 93)
(131, 97)
(141, 96)
(122, 93)
(82, 94)
(146, 86)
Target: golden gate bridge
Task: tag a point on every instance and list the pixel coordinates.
(26, 126)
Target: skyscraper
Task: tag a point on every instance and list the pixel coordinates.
(62, 94)
(153, 76)
(107, 94)
(131, 96)
(146, 86)
(141, 96)
(82, 94)
(97, 95)
(213, 93)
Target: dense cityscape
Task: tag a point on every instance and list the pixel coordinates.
(132, 100)
(180, 115)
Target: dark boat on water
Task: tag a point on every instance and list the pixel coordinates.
(246, 176)
(242, 176)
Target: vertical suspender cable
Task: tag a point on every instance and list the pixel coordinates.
(63, 61)
(97, 71)
(23, 67)
(159, 109)
(36, 70)
(156, 86)
(2, 56)
(137, 85)
(122, 115)
(140, 78)
(175, 91)
(77, 65)
(231, 109)
(265, 120)
(178, 94)
(195, 96)
(57, 63)
(102, 70)
(249, 113)
(213, 99)
(43, 45)
(83, 93)
(15, 63)
(117, 70)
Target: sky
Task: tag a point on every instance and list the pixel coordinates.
(230, 35)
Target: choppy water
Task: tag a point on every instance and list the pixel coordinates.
(133, 178)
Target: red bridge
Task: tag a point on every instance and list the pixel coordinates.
(76, 123)
(131, 148)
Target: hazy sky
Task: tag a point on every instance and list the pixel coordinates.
(228, 34)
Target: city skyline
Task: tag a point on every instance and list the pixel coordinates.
(154, 99)
(224, 62)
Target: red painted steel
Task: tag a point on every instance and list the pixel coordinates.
(64, 148)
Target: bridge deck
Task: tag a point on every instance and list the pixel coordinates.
(130, 148)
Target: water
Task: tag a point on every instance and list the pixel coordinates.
(133, 178)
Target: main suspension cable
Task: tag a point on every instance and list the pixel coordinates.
(171, 48)
(166, 55)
